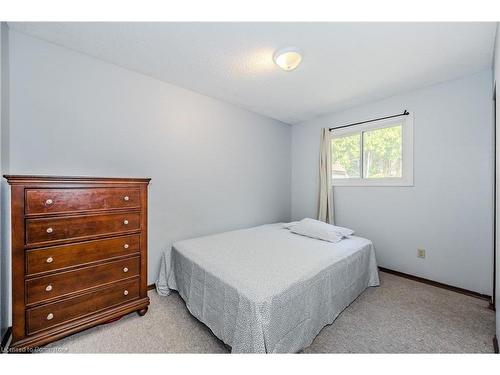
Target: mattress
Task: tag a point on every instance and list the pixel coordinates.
(265, 289)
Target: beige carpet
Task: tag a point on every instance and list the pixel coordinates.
(400, 316)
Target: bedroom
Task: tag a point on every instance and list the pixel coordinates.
(277, 187)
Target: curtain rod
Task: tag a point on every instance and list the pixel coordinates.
(405, 113)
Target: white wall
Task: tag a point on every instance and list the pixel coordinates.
(5, 291)
(5, 282)
(496, 73)
(214, 167)
(448, 212)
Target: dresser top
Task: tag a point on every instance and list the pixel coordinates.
(23, 179)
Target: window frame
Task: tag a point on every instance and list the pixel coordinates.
(407, 153)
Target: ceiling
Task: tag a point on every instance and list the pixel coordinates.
(344, 64)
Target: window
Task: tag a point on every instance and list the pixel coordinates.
(378, 153)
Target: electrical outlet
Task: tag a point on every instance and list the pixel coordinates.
(420, 253)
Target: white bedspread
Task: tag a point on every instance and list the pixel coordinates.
(265, 289)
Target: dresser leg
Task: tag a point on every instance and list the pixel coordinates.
(143, 311)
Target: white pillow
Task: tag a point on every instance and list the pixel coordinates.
(346, 232)
(289, 225)
(317, 229)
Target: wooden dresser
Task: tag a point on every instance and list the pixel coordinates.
(79, 254)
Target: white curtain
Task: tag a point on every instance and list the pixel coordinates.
(325, 209)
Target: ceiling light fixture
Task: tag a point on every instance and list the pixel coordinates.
(287, 58)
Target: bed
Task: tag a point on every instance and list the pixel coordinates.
(265, 289)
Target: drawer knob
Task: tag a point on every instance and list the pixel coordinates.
(48, 288)
(48, 202)
(125, 221)
(50, 316)
(125, 292)
(49, 230)
(126, 198)
(126, 246)
(125, 269)
(50, 260)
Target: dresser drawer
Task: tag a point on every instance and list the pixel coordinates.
(43, 201)
(47, 230)
(49, 315)
(64, 256)
(48, 287)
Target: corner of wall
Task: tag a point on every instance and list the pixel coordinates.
(496, 76)
(5, 293)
